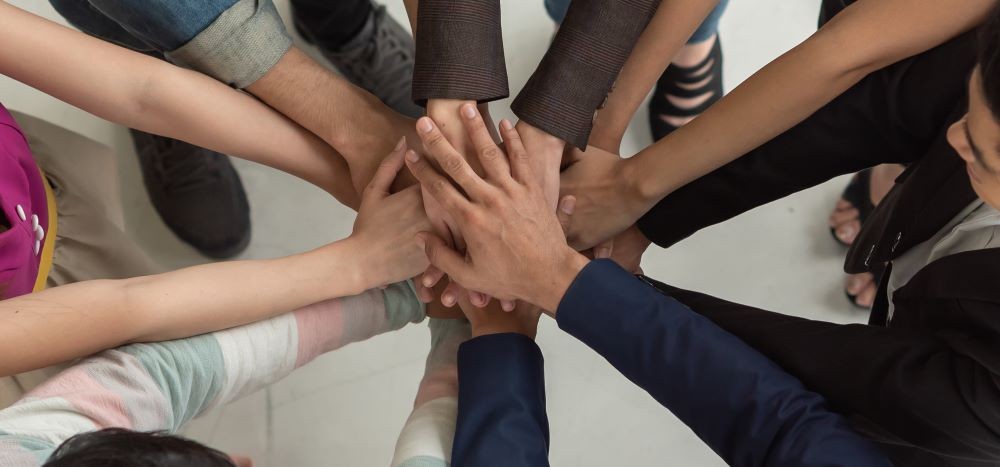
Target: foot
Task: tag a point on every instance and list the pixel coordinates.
(691, 84)
(197, 194)
(846, 217)
(846, 224)
(861, 289)
(379, 59)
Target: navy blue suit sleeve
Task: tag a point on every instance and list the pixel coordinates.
(745, 407)
(501, 403)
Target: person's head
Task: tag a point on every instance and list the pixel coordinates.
(976, 137)
(116, 447)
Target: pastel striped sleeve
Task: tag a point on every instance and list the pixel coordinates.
(428, 434)
(161, 386)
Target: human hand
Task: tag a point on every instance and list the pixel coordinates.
(447, 114)
(606, 201)
(546, 156)
(523, 319)
(387, 223)
(515, 246)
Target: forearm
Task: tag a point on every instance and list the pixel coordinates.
(501, 384)
(666, 33)
(354, 122)
(151, 95)
(679, 358)
(79, 319)
(792, 87)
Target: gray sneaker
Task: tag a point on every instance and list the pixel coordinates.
(379, 59)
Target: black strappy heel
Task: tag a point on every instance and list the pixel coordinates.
(670, 84)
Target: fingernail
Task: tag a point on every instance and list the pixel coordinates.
(602, 253)
(567, 204)
(412, 156)
(506, 125)
(469, 111)
(846, 233)
(401, 143)
(425, 125)
(448, 299)
(428, 282)
(421, 243)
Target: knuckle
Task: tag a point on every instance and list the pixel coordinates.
(491, 153)
(438, 186)
(434, 139)
(452, 163)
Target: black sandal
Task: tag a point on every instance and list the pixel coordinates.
(670, 83)
(859, 194)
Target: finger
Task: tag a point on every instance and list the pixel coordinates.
(508, 305)
(423, 293)
(440, 188)
(453, 163)
(431, 277)
(379, 187)
(445, 259)
(516, 154)
(493, 160)
(565, 212)
(479, 299)
(604, 250)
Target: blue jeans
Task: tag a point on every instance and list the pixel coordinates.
(161, 25)
(235, 41)
(557, 11)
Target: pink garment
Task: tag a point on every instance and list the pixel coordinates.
(23, 203)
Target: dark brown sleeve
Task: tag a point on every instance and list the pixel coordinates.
(577, 72)
(459, 51)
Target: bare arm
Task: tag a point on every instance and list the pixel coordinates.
(151, 95)
(611, 194)
(667, 32)
(71, 321)
(866, 36)
(354, 122)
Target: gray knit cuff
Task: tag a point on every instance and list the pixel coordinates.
(240, 46)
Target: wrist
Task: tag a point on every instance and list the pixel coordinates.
(366, 272)
(490, 328)
(642, 190)
(554, 286)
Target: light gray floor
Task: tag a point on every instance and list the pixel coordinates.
(347, 408)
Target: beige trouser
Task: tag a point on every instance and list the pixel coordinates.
(91, 242)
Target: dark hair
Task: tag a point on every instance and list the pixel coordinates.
(989, 60)
(115, 447)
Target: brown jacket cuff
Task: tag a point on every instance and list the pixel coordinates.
(459, 51)
(574, 78)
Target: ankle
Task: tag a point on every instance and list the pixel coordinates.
(693, 54)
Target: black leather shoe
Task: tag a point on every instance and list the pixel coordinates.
(197, 193)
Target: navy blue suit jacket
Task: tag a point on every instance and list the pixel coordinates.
(745, 407)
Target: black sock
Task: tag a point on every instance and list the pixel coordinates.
(331, 23)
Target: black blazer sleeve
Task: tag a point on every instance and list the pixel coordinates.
(501, 403)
